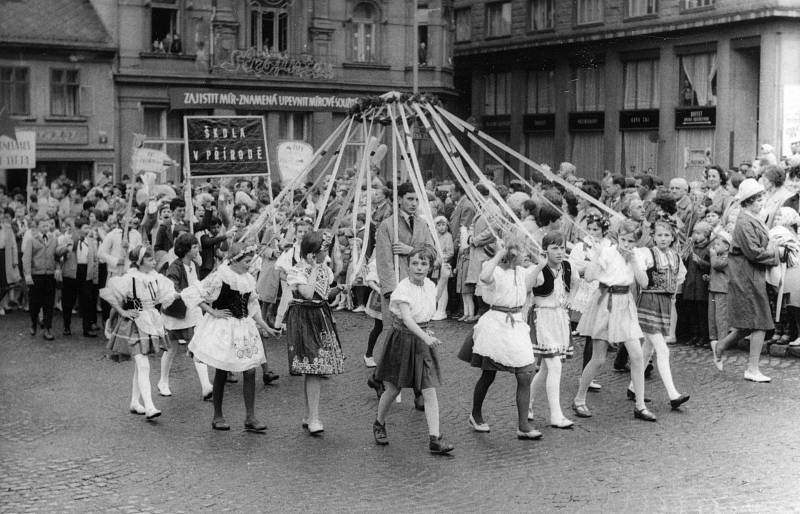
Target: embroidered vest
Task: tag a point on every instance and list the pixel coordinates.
(546, 289)
(663, 276)
(234, 301)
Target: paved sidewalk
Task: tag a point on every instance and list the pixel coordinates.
(69, 444)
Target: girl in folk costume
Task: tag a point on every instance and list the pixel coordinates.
(665, 272)
(136, 327)
(314, 348)
(501, 339)
(581, 255)
(228, 337)
(179, 321)
(549, 321)
(446, 244)
(748, 304)
(373, 310)
(610, 318)
(409, 358)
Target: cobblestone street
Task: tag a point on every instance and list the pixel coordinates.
(69, 443)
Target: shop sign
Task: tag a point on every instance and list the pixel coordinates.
(587, 121)
(539, 123)
(47, 135)
(18, 152)
(224, 146)
(639, 120)
(257, 100)
(696, 117)
(497, 123)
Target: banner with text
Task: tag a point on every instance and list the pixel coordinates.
(258, 100)
(224, 146)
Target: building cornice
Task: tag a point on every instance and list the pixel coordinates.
(57, 46)
(578, 37)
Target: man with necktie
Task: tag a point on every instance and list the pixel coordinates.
(39, 253)
(80, 277)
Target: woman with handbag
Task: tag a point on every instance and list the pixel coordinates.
(136, 327)
(179, 320)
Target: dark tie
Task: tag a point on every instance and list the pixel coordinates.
(411, 224)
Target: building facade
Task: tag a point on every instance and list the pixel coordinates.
(299, 63)
(56, 79)
(632, 85)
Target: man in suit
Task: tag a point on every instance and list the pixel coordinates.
(172, 224)
(80, 272)
(411, 231)
(39, 253)
(463, 216)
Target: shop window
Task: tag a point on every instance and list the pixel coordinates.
(64, 93)
(463, 24)
(294, 125)
(541, 98)
(589, 83)
(635, 8)
(498, 19)
(364, 33)
(497, 91)
(641, 84)
(698, 80)
(541, 14)
(165, 126)
(269, 29)
(15, 91)
(696, 4)
(165, 27)
(588, 11)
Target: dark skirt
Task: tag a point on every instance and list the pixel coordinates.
(124, 338)
(3, 278)
(174, 337)
(654, 311)
(314, 347)
(485, 363)
(408, 362)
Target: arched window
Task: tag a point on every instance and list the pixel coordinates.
(364, 33)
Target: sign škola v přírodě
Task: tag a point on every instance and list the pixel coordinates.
(224, 146)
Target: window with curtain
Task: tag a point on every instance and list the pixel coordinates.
(698, 80)
(540, 93)
(541, 14)
(294, 125)
(497, 91)
(634, 8)
(15, 91)
(641, 84)
(463, 24)
(589, 83)
(64, 92)
(363, 33)
(498, 19)
(269, 29)
(588, 11)
(160, 124)
(696, 4)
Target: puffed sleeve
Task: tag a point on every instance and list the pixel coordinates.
(207, 290)
(645, 257)
(297, 276)
(116, 290)
(166, 290)
(403, 293)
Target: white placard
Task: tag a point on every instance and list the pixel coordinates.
(293, 157)
(19, 153)
(150, 160)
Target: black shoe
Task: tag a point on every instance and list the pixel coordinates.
(677, 402)
(377, 385)
(379, 432)
(439, 446)
(220, 424)
(89, 333)
(643, 414)
(33, 330)
(632, 396)
(269, 377)
(254, 425)
(648, 370)
(232, 378)
(48, 335)
(419, 403)
(67, 332)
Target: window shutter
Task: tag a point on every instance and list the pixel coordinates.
(87, 101)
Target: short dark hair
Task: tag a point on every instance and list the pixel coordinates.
(723, 175)
(176, 202)
(647, 181)
(547, 215)
(529, 205)
(554, 237)
(619, 180)
(404, 189)
(311, 243)
(425, 251)
(81, 222)
(592, 188)
(183, 244)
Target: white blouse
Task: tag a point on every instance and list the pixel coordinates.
(509, 288)
(208, 289)
(421, 300)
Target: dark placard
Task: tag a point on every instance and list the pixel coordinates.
(539, 123)
(587, 121)
(257, 100)
(502, 122)
(696, 117)
(639, 120)
(224, 146)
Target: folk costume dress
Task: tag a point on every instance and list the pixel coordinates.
(314, 347)
(611, 313)
(232, 343)
(549, 317)
(501, 339)
(142, 292)
(407, 360)
(181, 328)
(665, 271)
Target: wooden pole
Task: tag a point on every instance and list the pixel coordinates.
(395, 205)
(29, 190)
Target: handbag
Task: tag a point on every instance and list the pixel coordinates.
(176, 309)
(132, 302)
